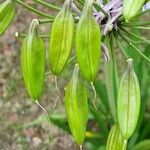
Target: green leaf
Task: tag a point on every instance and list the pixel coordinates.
(102, 93)
(143, 145)
(111, 79)
(100, 120)
(60, 121)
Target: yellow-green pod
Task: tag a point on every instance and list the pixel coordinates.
(128, 101)
(77, 106)
(131, 8)
(88, 43)
(62, 36)
(33, 61)
(115, 139)
(7, 12)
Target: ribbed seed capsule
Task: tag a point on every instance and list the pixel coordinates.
(128, 102)
(7, 12)
(131, 8)
(77, 106)
(115, 139)
(88, 40)
(33, 61)
(62, 36)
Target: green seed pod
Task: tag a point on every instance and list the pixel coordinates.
(131, 8)
(62, 36)
(88, 40)
(128, 102)
(7, 12)
(77, 106)
(33, 61)
(115, 140)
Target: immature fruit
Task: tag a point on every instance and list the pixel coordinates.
(33, 61)
(88, 40)
(77, 106)
(61, 38)
(7, 12)
(131, 8)
(128, 103)
(115, 139)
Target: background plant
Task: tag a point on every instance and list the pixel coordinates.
(127, 43)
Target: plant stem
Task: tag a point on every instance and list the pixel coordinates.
(46, 113)
(123, 51)
(135, 48)
(32, 9)
(131, 40)
(47, 4)
(80, 1)
(140, 14)
(75, 9)
(97, 7)
(134, 35)
(141, 27)
(24, 35)
(124, 144)
(136, 23)
(100, 9)
(42, 21)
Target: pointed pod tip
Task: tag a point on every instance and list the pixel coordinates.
(76, 64)
(36, 21)
(129, 60)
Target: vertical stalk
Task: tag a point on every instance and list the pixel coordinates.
(124, 144)
(111, 79)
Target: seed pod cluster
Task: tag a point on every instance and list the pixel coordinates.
(77, 106)
(131, 8)
(62, 36)
(33, 61)
(88, 39)
(7, 12)
(128, 102)
(115, 139)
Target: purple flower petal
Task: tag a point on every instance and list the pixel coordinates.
(146, 6)
(105, 51)
(111, 4)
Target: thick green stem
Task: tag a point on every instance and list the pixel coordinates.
(42, 21)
